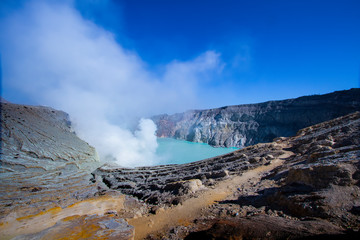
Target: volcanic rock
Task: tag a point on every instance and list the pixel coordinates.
(46, 187)
(245, 125)
(311, 189)
(42, 160)
(306, 186)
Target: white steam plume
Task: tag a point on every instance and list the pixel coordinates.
(50, 53)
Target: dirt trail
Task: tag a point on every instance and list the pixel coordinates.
(185, 213)
(182, 214)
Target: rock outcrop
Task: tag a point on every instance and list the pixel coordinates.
(316, 188)
(170, 184)
(245, 125)
(306, 186)
(43, 162)
(46, 186)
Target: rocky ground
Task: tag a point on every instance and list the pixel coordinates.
(306, 186)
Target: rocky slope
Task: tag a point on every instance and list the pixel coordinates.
(245, 125)
(45, 173)
(42, 160)
(306, 186)
(319, 184)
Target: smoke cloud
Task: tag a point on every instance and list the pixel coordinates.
(56, 57)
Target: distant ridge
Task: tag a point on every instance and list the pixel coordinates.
(248, 124)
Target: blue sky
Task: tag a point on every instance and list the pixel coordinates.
(276, 49)
(269, 50)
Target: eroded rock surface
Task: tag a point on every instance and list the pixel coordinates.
(171, 184)
(310, 190)
(315, 194)
(85, 227)
(245, 125)
(306, 186)
(43, 162)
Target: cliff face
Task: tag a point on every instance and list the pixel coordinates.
(245, 125)
(43, 162)
(46, 187)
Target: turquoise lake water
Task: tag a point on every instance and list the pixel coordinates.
(173, 151)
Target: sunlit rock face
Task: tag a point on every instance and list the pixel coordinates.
(245, 125)
(43, 163)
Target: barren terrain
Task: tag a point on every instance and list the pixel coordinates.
(306, 186)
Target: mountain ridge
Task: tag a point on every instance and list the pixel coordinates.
(248, 124)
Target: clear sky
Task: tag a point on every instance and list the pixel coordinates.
(267, 50)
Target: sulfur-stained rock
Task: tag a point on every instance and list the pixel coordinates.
(43, 163)
(85, 227)
(306, 186)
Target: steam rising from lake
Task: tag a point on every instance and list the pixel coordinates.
(54, 56)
